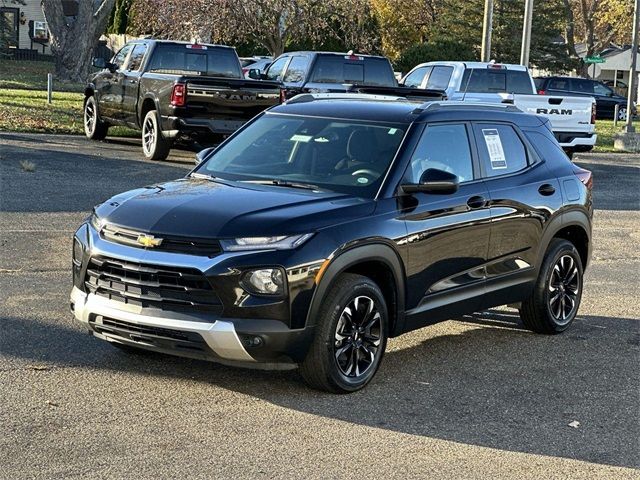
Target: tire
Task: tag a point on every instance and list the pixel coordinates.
(94, 128)
(154, 145)
(622, 114)
(555, 299)
(339, 351)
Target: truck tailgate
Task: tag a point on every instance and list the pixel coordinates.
(229, 99)
(566, 114)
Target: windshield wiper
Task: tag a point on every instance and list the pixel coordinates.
(285, 183)
(205, 176)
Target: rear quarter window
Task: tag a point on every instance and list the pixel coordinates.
(501, 149)
(367, 71)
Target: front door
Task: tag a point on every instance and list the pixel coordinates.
(448, 234)
(9, 27)
(111, 87)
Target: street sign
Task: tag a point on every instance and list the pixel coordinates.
(594, 59)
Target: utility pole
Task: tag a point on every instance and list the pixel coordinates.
(487, 26)
(633, 78)
(526, 33)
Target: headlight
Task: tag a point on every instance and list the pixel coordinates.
(96, 221)
(265, 281)
(261, 243)
(78, 252)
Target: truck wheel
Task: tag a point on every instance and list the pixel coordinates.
(154, 145)
(94, 128)
(555, 299)
(622, 114)
(350, 337)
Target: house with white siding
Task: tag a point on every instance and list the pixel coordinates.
(26, 26)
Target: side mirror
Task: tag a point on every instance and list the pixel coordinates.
(203, 154)
(254, 73)
(99, 62)
(434, 181)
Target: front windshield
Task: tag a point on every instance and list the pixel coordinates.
(344, 156)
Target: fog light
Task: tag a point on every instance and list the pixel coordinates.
(249, 341)
(266, 281)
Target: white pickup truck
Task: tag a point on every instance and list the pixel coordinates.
(572, 118)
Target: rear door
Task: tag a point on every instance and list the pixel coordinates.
(606, 102)
(448, 235)
(523, 196)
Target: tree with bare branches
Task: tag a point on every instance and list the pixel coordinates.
(73, 39)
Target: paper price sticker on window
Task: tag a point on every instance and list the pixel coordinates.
(494, 147)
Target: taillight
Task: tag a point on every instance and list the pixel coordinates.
(585, 176)
(283, 95)
(244, 71)
(179, 95)
(541, 92)
(593, 113)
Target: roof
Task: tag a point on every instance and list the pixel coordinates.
(342, 54)
(180, 42)
(389, 109)
(508, 66)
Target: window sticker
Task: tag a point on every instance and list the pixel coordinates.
(301, 138)
(392, 131)
(494, 147)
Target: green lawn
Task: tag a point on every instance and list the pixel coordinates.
(28, 111)
(32, 76)
(606, 131)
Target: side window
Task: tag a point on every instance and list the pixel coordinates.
(444, 147)
(580, 85)
(276, 68)
(600, 89)
(439, 78)
(296, 70)
(415, 78)
(120, 57)
(500, 148)
(135, 60)
(559, 84)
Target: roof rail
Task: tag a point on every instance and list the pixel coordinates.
(434, 105)
(312, 97)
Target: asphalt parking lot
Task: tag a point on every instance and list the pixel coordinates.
(474, 397)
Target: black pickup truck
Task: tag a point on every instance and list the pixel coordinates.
(333, 72)
(172, 90)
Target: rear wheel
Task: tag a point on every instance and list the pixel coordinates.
(622, 114)
(94, 128)
(154, 145)
(351, 336)
(554, 302)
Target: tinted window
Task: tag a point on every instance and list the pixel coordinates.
(600, 89)
(415, 78)
(490, 80)
(367, 70)
(579, 85)
(559, 84)
(501, 150)
(546, 147)
(135, 60)
(439, 78)
(296, 69)
(275, 70)
(444, 147)
(121, 56)
(340, 155)
(212, 61)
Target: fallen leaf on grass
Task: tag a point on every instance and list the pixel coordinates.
(37, 367)
(52, 404)
(574, 424)
(27, 166)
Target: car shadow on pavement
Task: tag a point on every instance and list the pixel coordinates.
(615, 185)
(485, 382)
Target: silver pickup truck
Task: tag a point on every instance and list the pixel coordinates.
(572, 118)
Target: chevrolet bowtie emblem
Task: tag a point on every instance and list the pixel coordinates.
(149, 240)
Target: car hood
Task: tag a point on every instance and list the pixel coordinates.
(204, 208)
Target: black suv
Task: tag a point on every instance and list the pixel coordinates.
(327, 225)
(606, 98)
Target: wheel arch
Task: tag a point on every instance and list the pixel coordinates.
(149, 102)
(378, 261)
(574, 226)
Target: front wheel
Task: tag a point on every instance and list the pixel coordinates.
(94, 127)
(554, 302)
(350, 338)
(154, 145)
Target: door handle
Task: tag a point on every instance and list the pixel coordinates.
(546, 189)
(476, 201)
